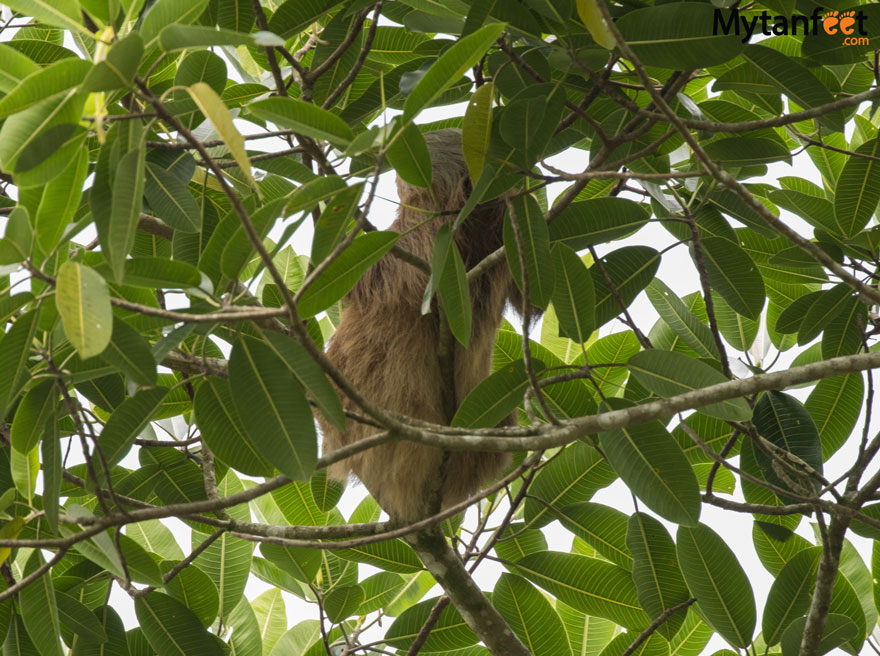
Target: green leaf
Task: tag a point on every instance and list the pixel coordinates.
(34, 413)
(652, 464)
(61, 13)
(182, 37)
(654, 645)
(342, 274)
(334, 219)
(222, 429)
(597, 220)
(791, 318)
(17, 642)
(276, 416)
(60, 200)
(858, 190)
(246, 632)
(835, 48)
(835, 405)
(76, 617)
(678, 36)
(117, 237)
(733, 274)
(307, 118)
(325, 490)
(669, 373)
(128, 421)
(379, 590)
(292, 16)
(747, 151)
(449, 632)
(312, 192)
(301, 563)
(228, 562)
(683, 322)
(630, 268)
(530, 615)
(602, 527)
(170, 199)
(39, 144)
(18, 240)
(50, 452)
(239, 248)
(845, 601)
(734, 206)
(83, 301)
(794, 80)
(390, 555)
(408, 155)
(24, 469)
(587, 635)
(783, 420)
(455, 295)
(515, 541)
(571, 477)
(296, 505)
(828, 304)
(115, 644)
(195, 589)
(476, 129)
(130, 353)
(38, 610)
(449, 67)
(172, 628)
(655, 571)
(161, 272)
(536, 242)
(844, 333)
(817, 211)
(587, 584)
(717, 580)
(755, 493)
(342, 602)
(839, 630)
(118, 69)
(738, 331)
(524, 125)
(14, 67)
(310, 375)
(775, 545)
(44, 83)
(168, 12)
(790, 595)
(496, 397)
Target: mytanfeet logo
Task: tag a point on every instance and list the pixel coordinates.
(849, 24)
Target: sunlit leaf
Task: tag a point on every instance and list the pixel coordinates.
(83, 301)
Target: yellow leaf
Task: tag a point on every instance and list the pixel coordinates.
(216, 111)
(83, 301)
(589, 12)
(10, 531)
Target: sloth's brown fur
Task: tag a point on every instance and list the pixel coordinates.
(388, 349)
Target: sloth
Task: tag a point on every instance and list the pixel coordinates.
(388, 349)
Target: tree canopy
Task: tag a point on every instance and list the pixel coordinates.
(693, 191)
